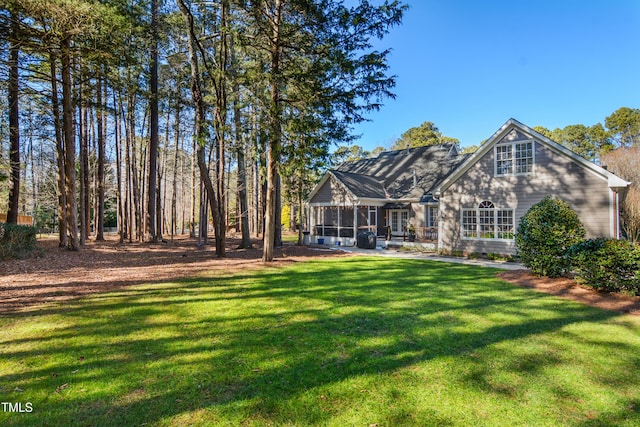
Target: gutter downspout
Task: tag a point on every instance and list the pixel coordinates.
(436, 196)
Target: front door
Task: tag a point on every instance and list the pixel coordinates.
(398, 220)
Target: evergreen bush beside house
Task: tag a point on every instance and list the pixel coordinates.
(544, 235)
(607, 264)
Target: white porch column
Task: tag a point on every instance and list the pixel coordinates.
(355, 221)
(311, 218)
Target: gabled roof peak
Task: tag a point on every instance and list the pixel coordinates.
(512, 124)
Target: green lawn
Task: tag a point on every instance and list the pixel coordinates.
(344, 342)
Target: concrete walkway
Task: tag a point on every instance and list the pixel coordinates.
(394, 253)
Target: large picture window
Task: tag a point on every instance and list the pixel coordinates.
(515, 158)
(487, 222)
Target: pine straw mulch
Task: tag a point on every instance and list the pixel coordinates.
(569, 289)
(56, 275)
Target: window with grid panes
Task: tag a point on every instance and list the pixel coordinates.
(515, 158)
(487, 222)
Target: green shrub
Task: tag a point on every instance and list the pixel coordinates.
(584, 257)
(491, 256)
(16, 241)
(544, 235)
(607, 264)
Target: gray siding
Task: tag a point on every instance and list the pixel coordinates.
(554, 174)
(416, 218)
(331, 193)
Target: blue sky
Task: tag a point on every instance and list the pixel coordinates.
(469, 66)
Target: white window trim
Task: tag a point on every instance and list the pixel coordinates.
(513, 157)
(477, 210)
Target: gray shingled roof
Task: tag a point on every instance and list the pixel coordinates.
(392, 172)
(363, 186)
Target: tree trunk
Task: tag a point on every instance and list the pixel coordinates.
(101, 159)
(70, 147)
(62, 201)
(143, 179)
(14, 124)
(300, 213)
(174, 194)
(116, 127)
(277, 238)
(183, 204)
(135, 179)
(84, 170)
(240, 147)
(203, 223)
(161, 167)
(128, 175)
(200, 124)
(31, 165)
(273, 146)
(154, 131)
(192, 222)
(220, 124)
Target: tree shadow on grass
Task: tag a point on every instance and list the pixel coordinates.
(243, 346)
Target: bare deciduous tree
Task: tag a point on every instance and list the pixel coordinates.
(625, 162)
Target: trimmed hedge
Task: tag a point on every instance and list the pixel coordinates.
(544, 235)
(16, 241)
(607, 264)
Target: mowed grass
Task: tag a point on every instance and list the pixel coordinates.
(343, 342)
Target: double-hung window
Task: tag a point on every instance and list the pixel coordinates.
(514, 158)
(431, 219)
(469, 223)
(487, 222)
(504, 224)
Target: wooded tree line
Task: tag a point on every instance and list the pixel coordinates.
(156, 115)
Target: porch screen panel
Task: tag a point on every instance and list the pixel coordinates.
(330, 221)
(343, 222)
(363, 218)
(317, 216)
(346, 217)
